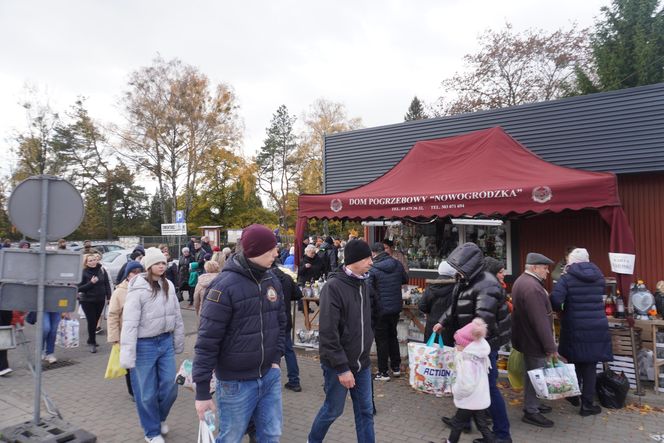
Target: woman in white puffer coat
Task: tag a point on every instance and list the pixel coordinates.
(152, 333)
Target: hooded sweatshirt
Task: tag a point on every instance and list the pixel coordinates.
(471, 386)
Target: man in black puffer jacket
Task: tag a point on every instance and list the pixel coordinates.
(241, 336)
(478, 294)
(385, 278)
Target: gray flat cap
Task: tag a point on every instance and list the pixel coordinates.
(533, 258)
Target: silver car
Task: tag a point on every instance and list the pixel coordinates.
(112, 261)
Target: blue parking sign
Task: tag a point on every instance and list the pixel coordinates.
(179, 216)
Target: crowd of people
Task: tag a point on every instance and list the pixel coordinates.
(242, 299)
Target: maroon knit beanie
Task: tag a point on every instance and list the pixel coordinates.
(257, 240)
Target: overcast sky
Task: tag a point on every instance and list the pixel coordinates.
(373, 56)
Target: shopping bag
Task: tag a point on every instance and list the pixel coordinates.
(113, 368)
(516, 369)
(184, 377)
(204, 433)
(431, 366)
(68, 333)
(612, 389)
(554, 382)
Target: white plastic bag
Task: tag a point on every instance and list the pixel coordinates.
(204, 433)
(552, 383)
(68, 333)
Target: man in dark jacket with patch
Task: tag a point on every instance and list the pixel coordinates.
(241, 337)
(584, 328)
(385, 278)
(533, 330)
(477, 293)
(345, 343)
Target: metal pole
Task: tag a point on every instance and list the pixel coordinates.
(39, 334)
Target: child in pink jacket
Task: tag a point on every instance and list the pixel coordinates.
(471, 387)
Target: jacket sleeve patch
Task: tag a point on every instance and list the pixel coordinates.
(214, 295)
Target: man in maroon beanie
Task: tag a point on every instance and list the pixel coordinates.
(242, 336)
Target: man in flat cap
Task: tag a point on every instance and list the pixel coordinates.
(532, 330)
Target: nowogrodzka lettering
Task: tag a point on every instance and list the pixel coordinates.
(451, 197)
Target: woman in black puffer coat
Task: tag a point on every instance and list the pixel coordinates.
(437, 297)
(584, 328)
(93, 292)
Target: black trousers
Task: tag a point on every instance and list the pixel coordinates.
(462, 419)
(93, 311)
(587, 376)
(387, 344)
(5, 320)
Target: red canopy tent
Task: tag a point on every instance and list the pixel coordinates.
(481, 173)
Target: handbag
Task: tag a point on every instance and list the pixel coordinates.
(556, 380)
(113, 368)
(67, 335)
(516, 369)
(431, 364)
(31, 317)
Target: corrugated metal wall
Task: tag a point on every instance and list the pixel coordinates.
(642, 197)
(550, 234)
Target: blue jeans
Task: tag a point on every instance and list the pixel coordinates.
(153, 381)
(51, 322)
(333, 407)
(291, 362)
(238, 401)
(501, 424)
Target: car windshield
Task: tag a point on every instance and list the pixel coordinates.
(109, 256)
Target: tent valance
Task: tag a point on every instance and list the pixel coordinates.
(481, 173)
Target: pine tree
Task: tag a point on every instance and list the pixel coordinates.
(628, 47)
(415, 111)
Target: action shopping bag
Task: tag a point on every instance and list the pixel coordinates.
(68, 333)
(431, 366)
(113, 368)
(516, 369)
(555, 381)
(612, 389)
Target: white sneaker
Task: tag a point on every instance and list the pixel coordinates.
(50, 358)
(164, 428)
(6, 371)
(396, 374)
(157, 439)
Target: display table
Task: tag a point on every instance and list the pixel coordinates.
(310, 315)
(411, 312)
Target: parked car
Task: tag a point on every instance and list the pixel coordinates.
(102, 248)
(112, 261)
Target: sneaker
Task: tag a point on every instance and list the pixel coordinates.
(164, 428)
(590, 410)
(99, 330)
(448, 422)
(293, 387)
(156, 439)
(382, 376)
(537, 419)
(50, 358)
(6, 371)
(396, 374)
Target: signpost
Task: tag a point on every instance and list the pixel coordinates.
(178, 228)
(45, 208)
